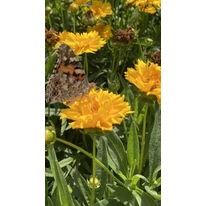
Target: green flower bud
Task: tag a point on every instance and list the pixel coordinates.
(74, 8)
(88, 19)
(96, 182)
(50, 135)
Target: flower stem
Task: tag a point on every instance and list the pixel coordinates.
(125, 128)
(74, 24)
(114, 68)
(136, 109)
(86, 64)
(91, 156)
(93, 170)
(125, 61)
(49, 19)
(143, 139)
(48, 112)
(62, 15)
(140, 48)
(113, 62)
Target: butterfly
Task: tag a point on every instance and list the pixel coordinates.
(68, 80)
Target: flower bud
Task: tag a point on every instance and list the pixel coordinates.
(88, 19)
(50, 135)
(74, 8)
(47, 9)
(96, 182)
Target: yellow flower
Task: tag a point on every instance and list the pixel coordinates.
(103, 30)
(99, 109)
(82, 43)
(147, 6)
(146, 77)
(80, 2)
(100, 9)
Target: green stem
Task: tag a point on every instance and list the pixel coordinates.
(93, 170)
(143, 139)
(113, 62)
(91, 156)
(74, 24)
(62, 15)
(114, 68)
(49, 19)
(140, 48)
(125, 61)
(86, 64)
(125, 128)
(48, 112)
(136, 109)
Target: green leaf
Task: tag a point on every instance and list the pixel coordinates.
(46, 192)
(123, 194)
(155, 144)
(133, 152)
(109, 202)
(50, 63)
(136, 178)
(62, 188)
(64, 124)
(66, 162)
(82, 189)
(154, 176)
(50, 203)
(117, 153)
(143, 198)
(101, 173)
(153, 193)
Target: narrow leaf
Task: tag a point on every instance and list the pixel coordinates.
(133, 147)
(64, 194)
(117, 152)
(101, 173)
(155, 144)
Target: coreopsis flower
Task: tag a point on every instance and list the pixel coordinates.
(146, 77)
(147, 6)
(100, 9)
(82, 43)
(104, 30)
(99, 109)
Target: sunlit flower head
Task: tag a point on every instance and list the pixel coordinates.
(146, 77)
(147, 6)
(100, 9)
(103, 30)
(82, 43)
(99, 109)
(80, 2)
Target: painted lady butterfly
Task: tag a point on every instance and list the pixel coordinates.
(68, 81)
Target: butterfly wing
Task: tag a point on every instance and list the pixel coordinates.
(68, 80)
